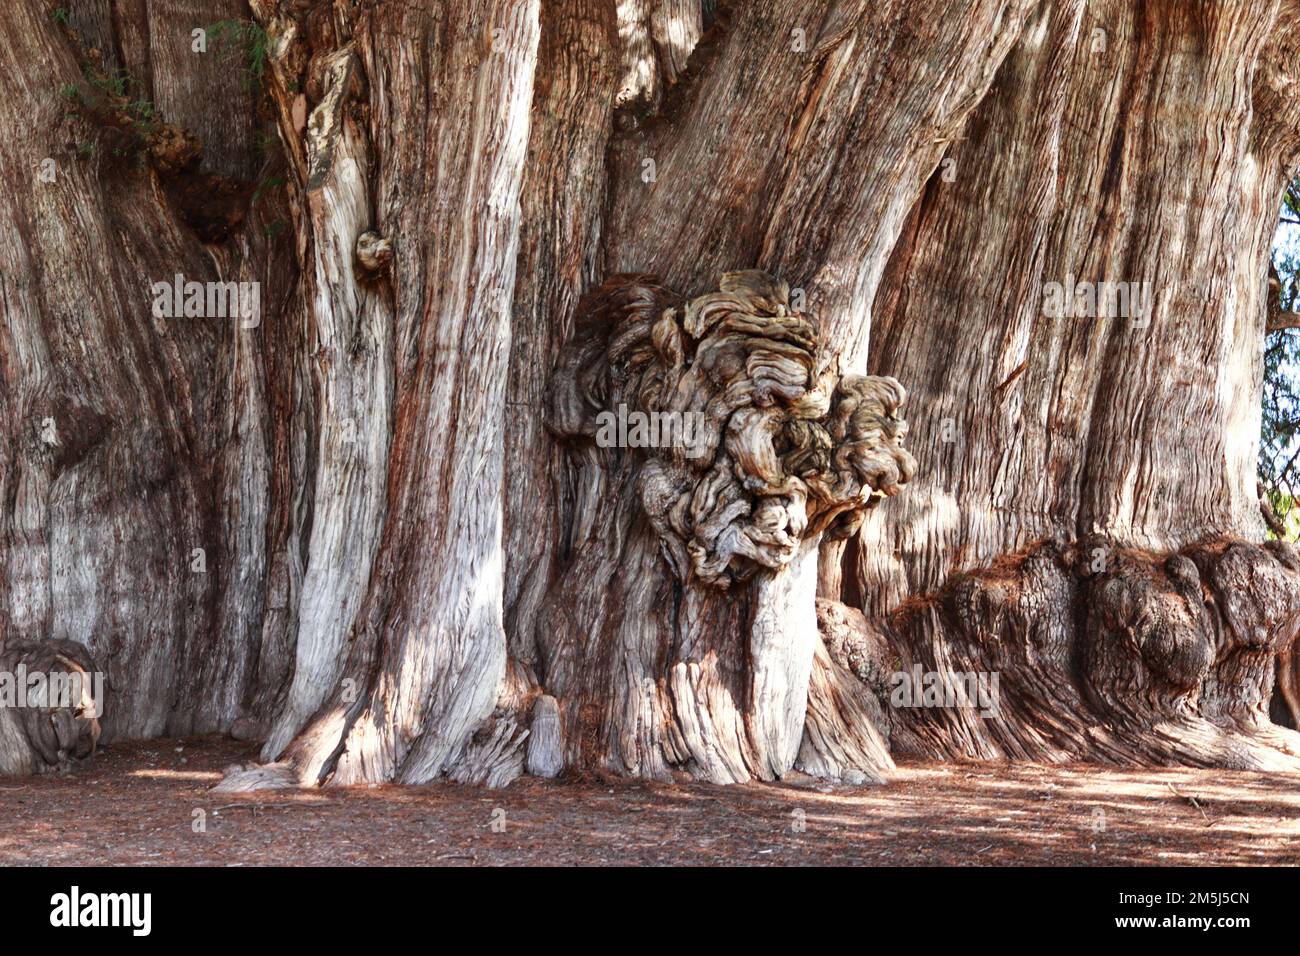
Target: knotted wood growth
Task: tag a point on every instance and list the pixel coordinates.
(1111, 655)
(682, 632)
(49, 717)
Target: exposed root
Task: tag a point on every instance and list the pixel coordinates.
(245, 778)
(1109, 655)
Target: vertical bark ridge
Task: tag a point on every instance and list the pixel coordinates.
(105, 508)
(428, 648)
(1108, 436)
(561, 222)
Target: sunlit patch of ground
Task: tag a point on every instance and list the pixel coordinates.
(137, 805)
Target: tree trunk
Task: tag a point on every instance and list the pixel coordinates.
(1088, 510)
(382, 526)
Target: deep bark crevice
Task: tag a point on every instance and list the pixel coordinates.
(348, 533)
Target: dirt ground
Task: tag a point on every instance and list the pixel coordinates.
(137, 806)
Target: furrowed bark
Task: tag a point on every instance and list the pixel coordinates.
(379, 531)
(1104, 434)
(118, 424)
(682, 634)
(560, 256)
(422, 668)
(671, 175)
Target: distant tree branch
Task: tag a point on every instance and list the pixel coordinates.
(1268, 513)
(1278, 318)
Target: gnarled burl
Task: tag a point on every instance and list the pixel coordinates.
(49, 717)
(682, 632)
(1110, 655)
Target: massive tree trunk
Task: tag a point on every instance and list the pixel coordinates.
(378, 526)
(1090, 510)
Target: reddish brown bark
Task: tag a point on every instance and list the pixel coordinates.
(404, 575)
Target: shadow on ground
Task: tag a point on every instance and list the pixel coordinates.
(139, 803)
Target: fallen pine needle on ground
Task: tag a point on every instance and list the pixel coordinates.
(137, 805)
